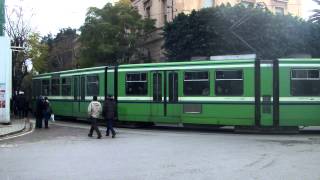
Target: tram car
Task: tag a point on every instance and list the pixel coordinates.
(239, 91)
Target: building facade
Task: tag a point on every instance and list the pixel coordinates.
(5, 70)
(165, 10)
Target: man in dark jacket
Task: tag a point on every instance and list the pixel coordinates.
(109, 110)
(39, 112)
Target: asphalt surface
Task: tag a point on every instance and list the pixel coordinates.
(65, 152)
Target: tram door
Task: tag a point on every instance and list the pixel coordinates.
(164, 107)
(269, 93)
(79, 94)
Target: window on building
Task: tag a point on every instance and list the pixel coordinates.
(92, 85)
(305, 82)
(165, 10)
(279, 11)
(147, 8)
(55, 87)
(45, 87)
(136, 84)
(66, 86)
(229, 82)
(148, 12)
(196, 83)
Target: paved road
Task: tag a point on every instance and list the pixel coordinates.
(65, 152)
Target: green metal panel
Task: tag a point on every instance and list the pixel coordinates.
(266, 94)
(297, 110)
(222, 114)
(132, 110)
(110, 83)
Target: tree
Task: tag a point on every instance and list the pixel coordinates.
(37, 51)
(220, 30)
(18, 30)
(315, 18)
(110, 35)
(62, 49)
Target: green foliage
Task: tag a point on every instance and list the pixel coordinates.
(62, 49)
(38, 52)
(110, 34)
(315, 18)
(211, 31)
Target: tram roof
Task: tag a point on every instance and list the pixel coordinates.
(178, 63)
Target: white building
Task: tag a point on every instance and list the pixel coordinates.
(5, 79)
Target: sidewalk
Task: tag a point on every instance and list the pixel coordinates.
(16, 126)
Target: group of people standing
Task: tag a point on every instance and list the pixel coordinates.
(108, 112)
(43, 112)
(20, 105)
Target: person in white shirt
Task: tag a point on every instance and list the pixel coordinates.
(94, 112)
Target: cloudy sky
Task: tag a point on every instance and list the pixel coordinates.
(49, 16)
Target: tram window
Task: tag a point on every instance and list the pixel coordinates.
(66, 86)
(92, 85)
(305, 82)
(136, 84)
(229, 82)
(173, 87)
(55, 87)
(45, 87)
(157, 87)
(196, 83)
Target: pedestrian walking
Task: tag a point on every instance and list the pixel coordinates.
(109, 110)
(47, 111)
(94, 112)
(39, 111)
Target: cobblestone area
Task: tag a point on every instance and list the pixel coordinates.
(15, 126)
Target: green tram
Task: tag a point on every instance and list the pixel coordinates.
(240, 92)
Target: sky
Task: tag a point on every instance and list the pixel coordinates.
(46, 16)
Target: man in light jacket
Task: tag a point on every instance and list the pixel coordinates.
(94, 111)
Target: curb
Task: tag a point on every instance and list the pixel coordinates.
(18, 131)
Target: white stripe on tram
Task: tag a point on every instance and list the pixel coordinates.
(60, 97)
(299, 65)
(82, 73)
(186, 67)
(195, 99)
(300, 99)
(42, 77)
(135, 98)
(215, 99)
